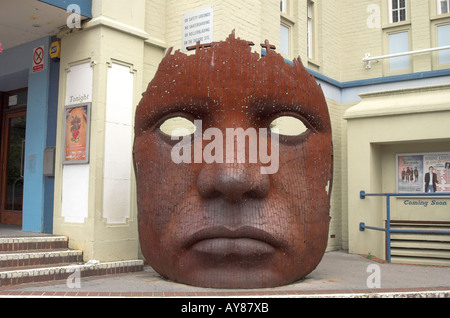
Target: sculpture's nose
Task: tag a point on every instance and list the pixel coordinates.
(233, 182)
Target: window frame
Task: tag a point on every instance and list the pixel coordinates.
(289, 41)
(284, 6)
(439, 6)
(310, 29)
(435, 43)
(398, 9)
(387, 62)
(438, 40)
(287, 21)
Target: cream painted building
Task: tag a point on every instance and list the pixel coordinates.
(380, 108)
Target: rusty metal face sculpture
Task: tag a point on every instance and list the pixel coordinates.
(230, 224)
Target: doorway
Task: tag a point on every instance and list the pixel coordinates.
(12, 155)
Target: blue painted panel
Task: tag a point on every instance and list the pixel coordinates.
(33, 198)
(85, 5)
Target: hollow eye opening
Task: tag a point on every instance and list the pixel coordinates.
(178, 127)
(288, 126)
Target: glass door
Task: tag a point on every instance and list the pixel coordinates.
(12, 165)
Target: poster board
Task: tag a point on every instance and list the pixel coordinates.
(413, 168)
(76, 133)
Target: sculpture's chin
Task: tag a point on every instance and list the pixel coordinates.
(241, 278)
(241, 269)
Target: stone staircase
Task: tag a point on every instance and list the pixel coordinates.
(48, 258)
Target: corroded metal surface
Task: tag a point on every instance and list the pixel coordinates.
(227, 225)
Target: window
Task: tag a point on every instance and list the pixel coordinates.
(310, 29)
(286, 27)
(399, 43)
(397, 11)
(285, 31)
(283, 6)
(443, 6)
(443, 35)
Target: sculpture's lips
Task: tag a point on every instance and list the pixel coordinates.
(245, 241)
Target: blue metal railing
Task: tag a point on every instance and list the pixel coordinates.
(387, 229)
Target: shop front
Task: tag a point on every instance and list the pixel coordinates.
(29, 88)
(29, 85)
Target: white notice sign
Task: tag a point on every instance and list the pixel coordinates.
(198, 27)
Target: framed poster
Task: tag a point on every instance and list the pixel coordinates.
(76, 133)
(423, 172)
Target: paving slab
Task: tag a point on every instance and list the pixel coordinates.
(340, 274)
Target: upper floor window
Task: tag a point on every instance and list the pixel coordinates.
(443, 36)
(443, 6)
(399, 43)
(283, 6)
(310, 29)
(285, 39)
(286, 28)
(397, 11)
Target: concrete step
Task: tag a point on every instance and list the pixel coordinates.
(48, 258)
(416, 252)
(10, 244)
(70, 273)
(420, 261)
(40, 257)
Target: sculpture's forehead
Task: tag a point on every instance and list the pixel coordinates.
(241, 71)
(183, 80)
(227, 77)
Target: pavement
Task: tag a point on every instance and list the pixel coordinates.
(339, 275)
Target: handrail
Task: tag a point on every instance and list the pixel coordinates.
(387, 229)
(367, 58)
(363, 194)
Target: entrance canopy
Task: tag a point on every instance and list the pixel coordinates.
(22, 21)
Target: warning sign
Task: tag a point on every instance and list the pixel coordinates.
(198, 27)
(38, 59)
